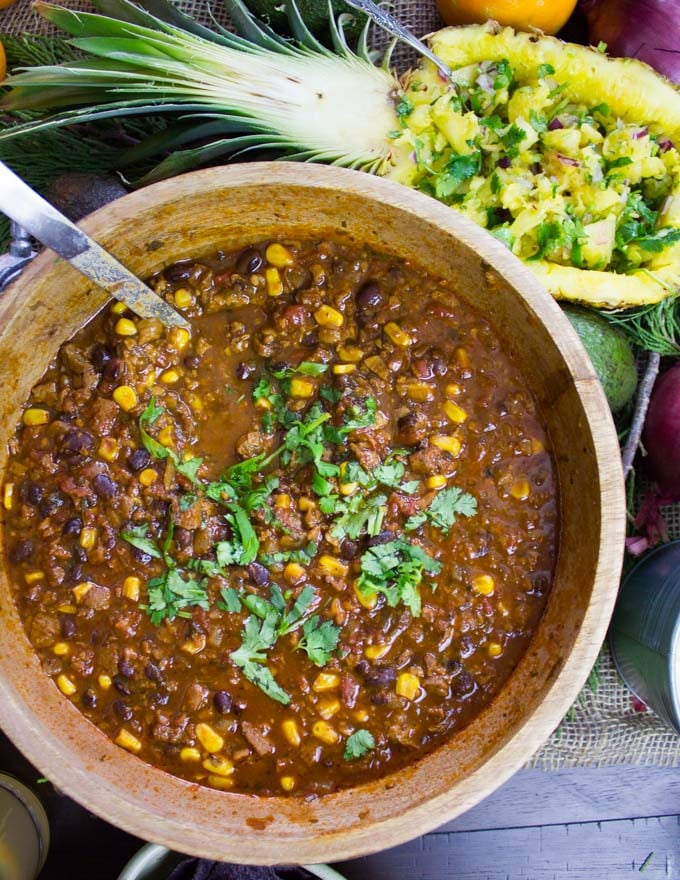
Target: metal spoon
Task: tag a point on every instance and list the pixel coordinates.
(389, 23)
(44, 222)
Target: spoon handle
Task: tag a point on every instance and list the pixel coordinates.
(26, 208)
(389, 23)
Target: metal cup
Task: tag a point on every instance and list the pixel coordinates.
(24, 831)
(645, 632)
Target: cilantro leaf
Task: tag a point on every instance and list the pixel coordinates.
(395, 569)
(656, 241)
(295, 616)
(189, 468)
(138, 537)
(358, 744)
(171, 593)
(458, 169)
(447, 505)
(311, 368)
(245, 542)
(319, 640)
(230, 600)
(545, 70)
(511, 139)
(256, 639)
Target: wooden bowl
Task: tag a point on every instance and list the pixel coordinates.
(228, 208)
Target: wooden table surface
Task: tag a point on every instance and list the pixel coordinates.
(584, 824)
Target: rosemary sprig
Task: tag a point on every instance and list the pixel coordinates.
(654, 328)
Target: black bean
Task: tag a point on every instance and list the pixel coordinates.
(121, 685)
(31, 492)
(348, 549)
(455, 667)
(158, 698)
(114, 369)
(258, 573)
(192, 362)
(75, 572)
(223, 702)
(153, 673)
(22, 551)
(369, 296)
(96, 637)
(79, 553)
(463, 685)
(104, 486)
(362, 667)
(138, 460)
(310, 340)
(179, 271)
(67, 626)
(50, 504)
(381, 676)
(77, 441)
(72, 526)
(122, 710)
(100, 356)
(249, 261)
(244, 370)
(141, 557)
(380, 538)
(125, 668)
(89, 699)
(380, 698)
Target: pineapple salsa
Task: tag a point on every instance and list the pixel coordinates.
(552, 179)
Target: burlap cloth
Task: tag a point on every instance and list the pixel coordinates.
(606, 725)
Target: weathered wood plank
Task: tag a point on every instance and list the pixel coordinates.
(588, 851)
(536, 797)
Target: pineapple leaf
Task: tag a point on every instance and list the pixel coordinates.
(255, 31)
(301, 32)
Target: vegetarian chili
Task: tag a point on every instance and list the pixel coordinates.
(296, 547)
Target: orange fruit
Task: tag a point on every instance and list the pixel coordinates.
(546, 15)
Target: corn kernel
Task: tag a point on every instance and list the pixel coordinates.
(454, 413)
(520, 490)
(128, 741)
(61, 649)
(348, 488)
(350, 353)
(408, 686)
(447, 443)
(463, 358)
(327, 707)
(188, 753)
(272, 278)
(291, 731)
(65, 685)
(536, 446)
(326, 681)
(125, 397)
(32, 577)
(131, 588)
(263, 403)
(483, 584)
(66, 609)
(126, 327)
(323, 731)
(397, 335)
(35, 416)
(287, 783)
(436, 481)
(104, 682)
(282, 501)
(169, 377)
(166, 436)
(361, 715)
(88, 538)
(118, 308)
(375, 652)
(209, 738)
(224, 783)
(494, 649)
(220, 766)
(108, 449)
(196, 404)
(279, 256)
(194, 645)
(179, 338)
(294, 573)
(327, 316)
(452, 389)
(368, 600)
(343, 369)
(302, 388)
(332, 566)
(420, 392)
(183, 298)
(8, 496)
(305, 504)
(148, 477)
(81, 590)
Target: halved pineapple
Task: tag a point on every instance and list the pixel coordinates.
(566, 155)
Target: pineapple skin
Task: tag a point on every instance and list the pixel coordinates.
(633, 91)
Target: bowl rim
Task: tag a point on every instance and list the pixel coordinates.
(535, 727)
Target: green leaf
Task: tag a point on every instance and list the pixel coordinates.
(171, 593)
(319, 640)
(545, 70)
(231, 601)
(358, 744)
(138, 537)
(256, 639)
(395, 569)
(311, 368)
(189, 468)
(513, 136)
(449, 504)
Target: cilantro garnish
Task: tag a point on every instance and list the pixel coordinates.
(358, 744)
(187, 467)
(458, 169)
(230, 600)
(404, 108)
(319, 640)
(138, 537)
(511, 139)
(545, 70)
(445, 507)
(395, 570)
(170, 593)
(257, 638)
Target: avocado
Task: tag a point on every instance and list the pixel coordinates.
(313, 12)
(610, 352)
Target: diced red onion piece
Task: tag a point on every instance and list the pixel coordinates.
(555, 124)
(504, 162)
(666, 144)
(567, 160)
(640, 133)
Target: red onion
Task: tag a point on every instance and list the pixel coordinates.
(566, 160)
(640, 133)
(555, 124)
(661, 435)
(665, 144)
(645, 29)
